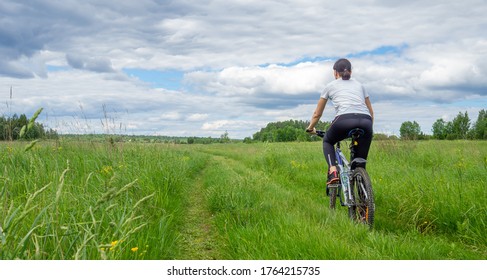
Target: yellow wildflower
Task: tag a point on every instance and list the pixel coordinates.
(106, 170)
(113, 244)
(135, 249)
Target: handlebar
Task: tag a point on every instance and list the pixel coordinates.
(320, 133)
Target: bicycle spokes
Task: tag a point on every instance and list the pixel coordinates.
(363, 209)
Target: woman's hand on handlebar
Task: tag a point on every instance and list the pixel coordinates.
(311, 130)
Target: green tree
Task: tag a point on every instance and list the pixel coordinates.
(3, 128)
(286, 131)
(410, 130)
(15, 127)
(224, 138)
(480, 126)
(460, 126)
(440, 129)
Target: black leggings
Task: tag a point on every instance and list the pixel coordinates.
(339, 129)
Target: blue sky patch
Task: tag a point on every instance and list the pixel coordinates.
(384, 50)
(158, 79)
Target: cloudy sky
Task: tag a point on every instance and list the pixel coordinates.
(200, 68)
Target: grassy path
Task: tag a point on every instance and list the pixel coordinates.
(257, 217)
(198, 236)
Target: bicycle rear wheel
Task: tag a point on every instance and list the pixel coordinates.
(363, 209)
(332, 193)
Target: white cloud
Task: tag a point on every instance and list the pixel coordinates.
(96, 64)
(240, 59)
(168, 116)
(197, 117)
(239, 128)
(216, 125)
(455, 65)
(262, 81)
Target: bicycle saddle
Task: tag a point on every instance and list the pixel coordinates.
(356, 132)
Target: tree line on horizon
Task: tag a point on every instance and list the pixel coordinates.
(460, 127)
(10, 129)
(286, 131)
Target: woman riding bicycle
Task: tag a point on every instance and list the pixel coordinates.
(353, 110)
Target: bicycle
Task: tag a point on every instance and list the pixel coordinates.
(355, 191)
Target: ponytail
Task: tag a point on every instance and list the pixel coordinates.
(345, 74)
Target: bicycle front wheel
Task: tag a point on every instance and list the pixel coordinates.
(363, 208)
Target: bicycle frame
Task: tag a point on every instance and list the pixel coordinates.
(344, 170)
(344, 165)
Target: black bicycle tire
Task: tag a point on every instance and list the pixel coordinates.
(364, 209)
(332, 192)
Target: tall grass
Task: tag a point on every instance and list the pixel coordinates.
(433, 187)
(86, 200)
(91, 201)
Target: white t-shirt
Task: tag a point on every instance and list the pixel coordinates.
(348, 96)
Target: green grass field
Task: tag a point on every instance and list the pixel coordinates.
(85, 200)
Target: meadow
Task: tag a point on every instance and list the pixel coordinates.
(71, 199)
